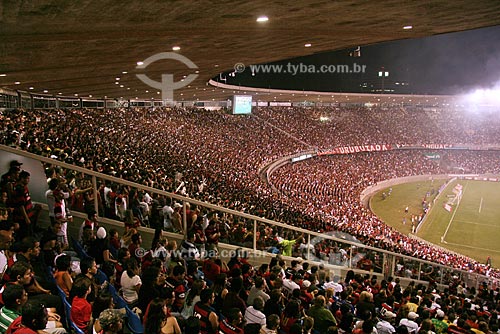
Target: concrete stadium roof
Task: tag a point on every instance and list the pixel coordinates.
(82, 47)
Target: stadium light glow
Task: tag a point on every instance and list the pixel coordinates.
(482, 97)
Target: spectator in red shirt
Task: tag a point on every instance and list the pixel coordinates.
(81, 310)
(210, 268)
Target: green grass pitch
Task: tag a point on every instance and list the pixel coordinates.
(472, 227)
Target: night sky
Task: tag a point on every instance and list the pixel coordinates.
(443, 64)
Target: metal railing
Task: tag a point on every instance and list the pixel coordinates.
(344, 254)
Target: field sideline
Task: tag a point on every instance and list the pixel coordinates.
(471, 228)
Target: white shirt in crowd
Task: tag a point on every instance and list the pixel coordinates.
(128, 287)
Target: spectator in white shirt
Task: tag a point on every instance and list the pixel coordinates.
(131, 282)
(254, 314)
(410, 323)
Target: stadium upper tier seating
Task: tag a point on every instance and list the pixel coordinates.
(219, 156)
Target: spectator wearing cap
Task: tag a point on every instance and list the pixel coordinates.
(111, 321)
(385, 323)
(440, 326)
(306, 293)
(410, 323)
(323, 318)
(101, 249)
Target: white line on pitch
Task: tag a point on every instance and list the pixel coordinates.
(480, 205)
(453, 215)
(475, 223)
(467, 246)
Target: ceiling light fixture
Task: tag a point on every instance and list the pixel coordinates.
(139, 63)
(308, 45)
(176, 48)
(262, 18)
(407, 27)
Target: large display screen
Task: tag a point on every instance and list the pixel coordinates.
(242, 104)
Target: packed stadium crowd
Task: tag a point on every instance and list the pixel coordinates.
(338, 126)
(215, 157)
